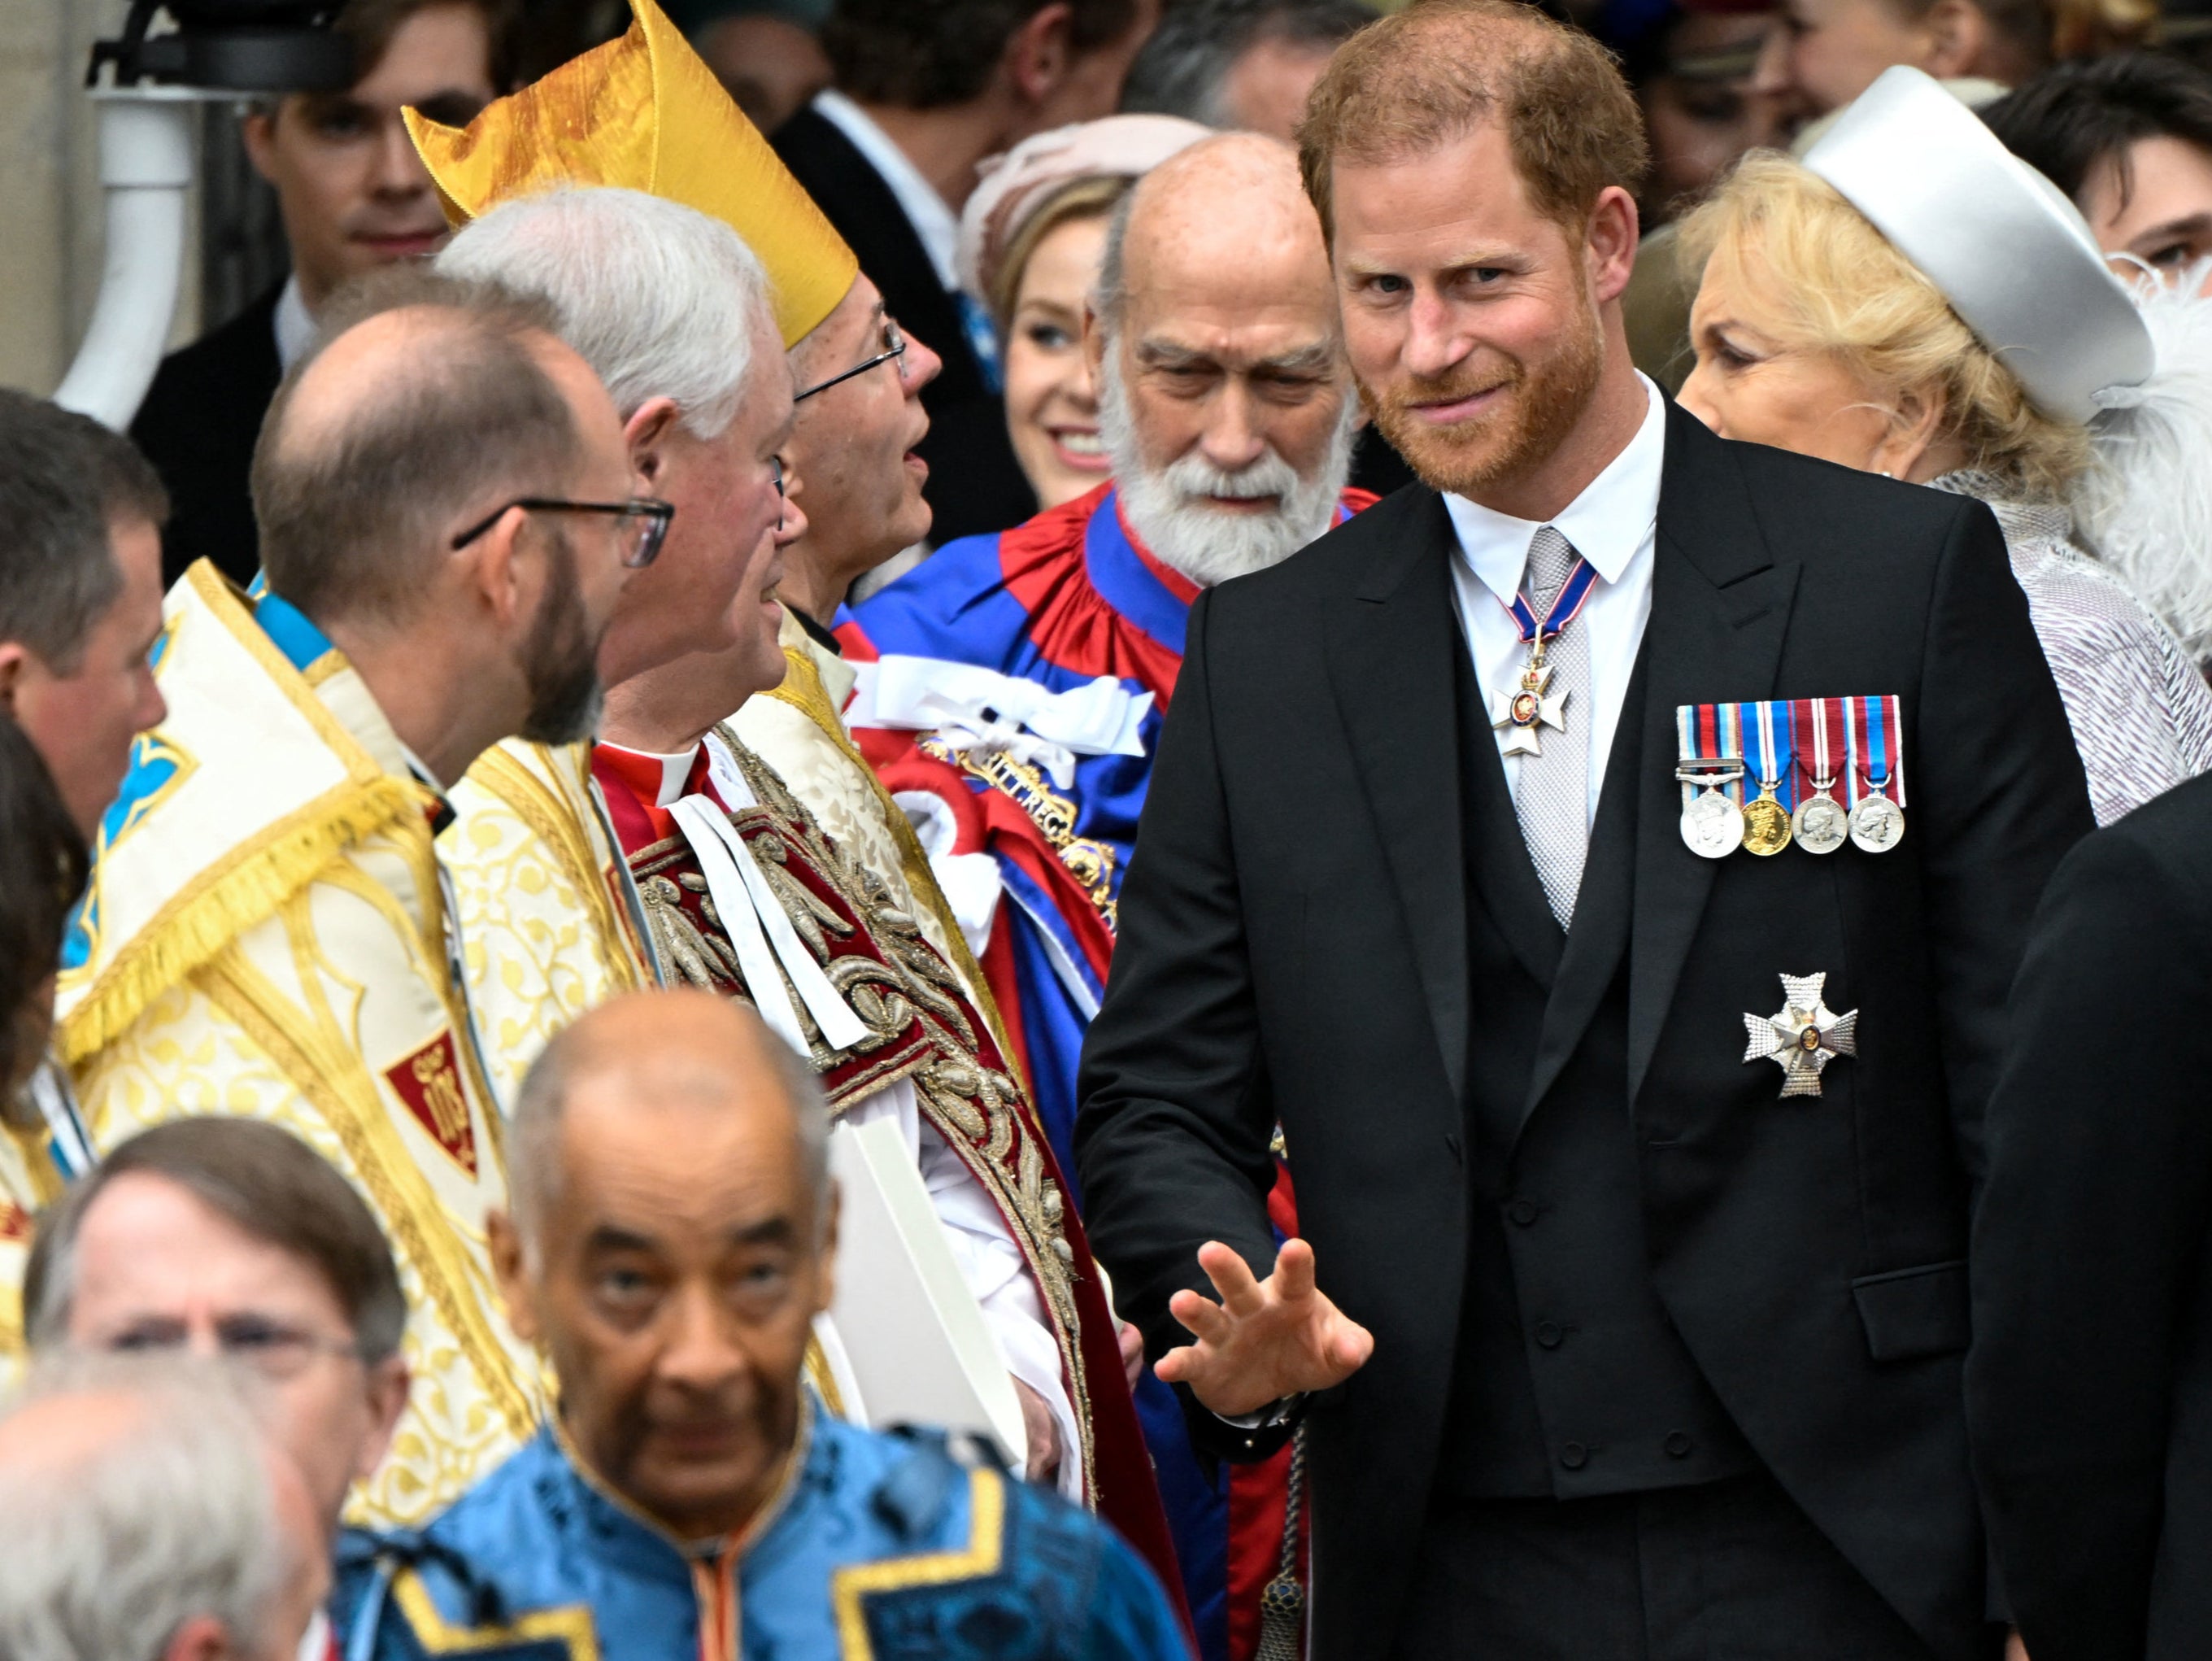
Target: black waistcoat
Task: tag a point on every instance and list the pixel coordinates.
(1570, 1379)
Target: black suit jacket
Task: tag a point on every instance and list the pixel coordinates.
(976, 486)
(1293, 947)
(2089, 1389)
(198, 426)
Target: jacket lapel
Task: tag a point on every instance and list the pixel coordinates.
(1720, 608)
(1391, 662)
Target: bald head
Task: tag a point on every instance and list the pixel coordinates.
(424, 398)
(1228, 216)
(672, 1241)
(673, 1053)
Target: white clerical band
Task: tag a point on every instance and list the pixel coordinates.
(760, 933)
(976, 709)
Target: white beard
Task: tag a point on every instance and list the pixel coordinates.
(1167, 510)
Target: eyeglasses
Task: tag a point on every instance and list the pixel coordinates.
(641, 522)
(273, 1350)
(894, 345)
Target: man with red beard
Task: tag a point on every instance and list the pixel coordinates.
(1012, 687)
(1606, 1341)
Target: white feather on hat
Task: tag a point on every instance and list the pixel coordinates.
(2146, 508)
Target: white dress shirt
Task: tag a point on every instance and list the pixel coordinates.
(1613, 525)
(293, 324)
(931, 215)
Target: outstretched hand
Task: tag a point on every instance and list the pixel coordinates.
(1266, 1339)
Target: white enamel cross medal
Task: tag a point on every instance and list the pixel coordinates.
(1523, 710)
(1803, 1037)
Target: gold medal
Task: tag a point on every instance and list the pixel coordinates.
(1765, 822)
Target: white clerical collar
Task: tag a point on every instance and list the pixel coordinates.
(931, 215)
(1607, 523)
(295, 325)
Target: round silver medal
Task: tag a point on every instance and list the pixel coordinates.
(1712, 825)
(1820, 824)
(1877, 824)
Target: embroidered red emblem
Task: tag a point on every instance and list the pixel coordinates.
(430, 1082)
(14, 1221)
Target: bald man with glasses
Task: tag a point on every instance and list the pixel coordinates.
(270, 932)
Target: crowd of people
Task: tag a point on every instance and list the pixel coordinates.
(1144, 701)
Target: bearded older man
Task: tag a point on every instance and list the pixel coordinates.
(1228, 414)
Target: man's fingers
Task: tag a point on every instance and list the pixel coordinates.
(1201, 1317)
(1176, 1366)
(1348, 1345)
(1240, 1292)
(1294, 1270)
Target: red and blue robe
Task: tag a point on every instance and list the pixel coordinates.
(1061, 601)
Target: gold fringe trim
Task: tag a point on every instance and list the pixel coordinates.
(198, 925)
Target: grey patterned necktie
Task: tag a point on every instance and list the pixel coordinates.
(1551, 795)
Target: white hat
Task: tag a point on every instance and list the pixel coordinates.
(2013, 256)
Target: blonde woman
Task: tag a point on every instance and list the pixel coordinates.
(1031, 240)
(1847, 309)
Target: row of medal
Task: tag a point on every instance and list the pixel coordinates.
(1817, 772)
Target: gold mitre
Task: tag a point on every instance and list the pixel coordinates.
(644, 113)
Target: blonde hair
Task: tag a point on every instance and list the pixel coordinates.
(1094, 197)
(1828, 282)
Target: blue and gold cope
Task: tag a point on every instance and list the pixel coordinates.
(876, 1547)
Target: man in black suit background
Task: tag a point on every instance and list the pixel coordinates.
(2089, 1388)
(923, 94)
(1613, 1351)
(354, 196)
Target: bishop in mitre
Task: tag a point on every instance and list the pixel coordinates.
(851, 957)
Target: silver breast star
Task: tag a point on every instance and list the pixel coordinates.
(1804, 1036)
(1522, 713)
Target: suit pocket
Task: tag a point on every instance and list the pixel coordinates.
(1911, 1312)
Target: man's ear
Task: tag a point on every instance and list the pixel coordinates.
(14, 657)
(258, 131)
(503, 571)
(387, 1384)
(648, 434)
(1038, 53)
(510, 1272)
(1609, 243)
(1095, 334)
